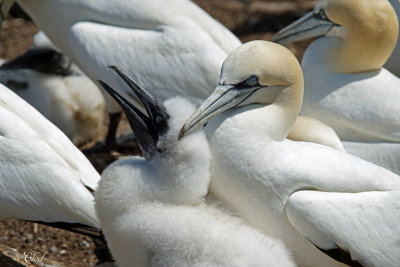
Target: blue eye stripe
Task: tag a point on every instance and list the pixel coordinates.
(252, 81)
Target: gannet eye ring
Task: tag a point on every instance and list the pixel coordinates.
(322, 14)
(252, 81)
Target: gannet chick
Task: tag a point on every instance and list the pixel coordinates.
(47, 80)
(345, 84)
(316, 199)
(152, 209)
(43, 176)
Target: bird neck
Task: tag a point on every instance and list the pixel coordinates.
(252, 122)
(183, 169)
(284, 111)
(358, 51)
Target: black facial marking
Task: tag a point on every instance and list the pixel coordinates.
(43, 60)
(321, 14)
(252, 81)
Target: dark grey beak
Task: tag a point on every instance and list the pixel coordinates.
(147, 129)
(313, 24)
(223, 98)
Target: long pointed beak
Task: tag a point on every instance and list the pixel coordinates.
(146, 129)
(137, 120)
(157, 112)
(5, 6)
(223, 98)
(309, 26)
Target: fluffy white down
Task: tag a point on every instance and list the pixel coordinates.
(154, 213)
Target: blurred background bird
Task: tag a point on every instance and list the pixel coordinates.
(56, 87)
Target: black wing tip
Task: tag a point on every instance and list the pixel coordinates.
(340, 254)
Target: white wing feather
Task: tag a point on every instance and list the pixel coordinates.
(367, 223)
(164, 59)
(43, 175)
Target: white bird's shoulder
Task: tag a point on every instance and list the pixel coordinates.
(38, 185)
(307, 165)
(360, 106)
(386, 155)
(166, 55)
(20, 121)
(331, 170)
(331, 220)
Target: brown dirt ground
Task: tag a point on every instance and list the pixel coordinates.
(248, 19)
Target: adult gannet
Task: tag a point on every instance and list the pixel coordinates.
(43, 176)
(345, 84)
(152, 209)
(48, 81)
(312, 197)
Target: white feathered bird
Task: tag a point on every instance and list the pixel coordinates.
(152, 209)
(313, 197)
(346, 86)
(49, 81)
(43, 176)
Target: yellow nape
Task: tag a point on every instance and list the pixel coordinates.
(371, 31)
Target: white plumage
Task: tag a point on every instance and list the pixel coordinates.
(157, 42)
(43, 176)
(172, 46)
(289, 189)
(153, 213)
(345, 84)
(49, 82)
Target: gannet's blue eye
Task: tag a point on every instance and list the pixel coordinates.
(322, 14)
(252, 81)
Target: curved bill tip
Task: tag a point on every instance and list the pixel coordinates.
(182, 132)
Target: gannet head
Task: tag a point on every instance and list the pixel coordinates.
(256, 72)
(365, 32)
(176, 171)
